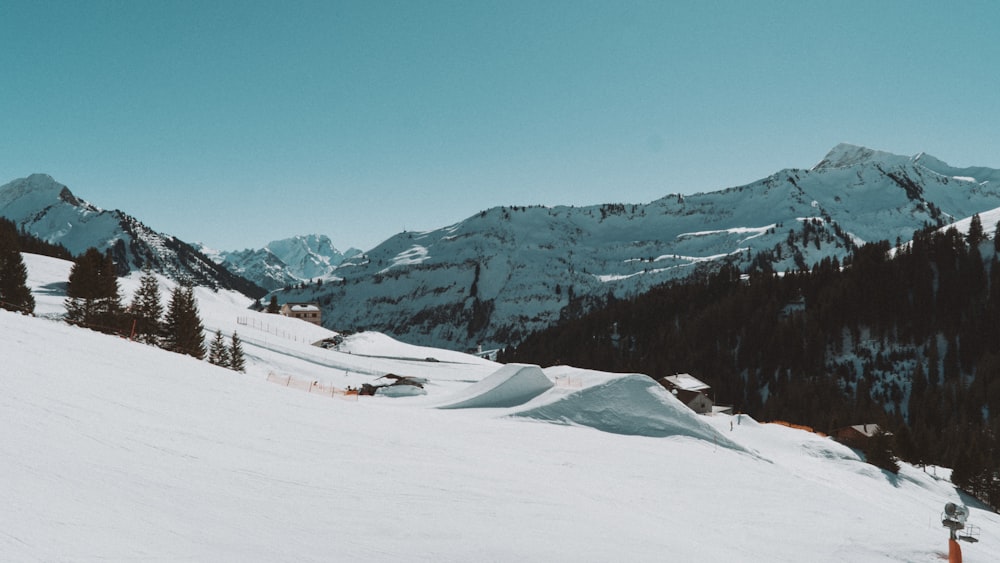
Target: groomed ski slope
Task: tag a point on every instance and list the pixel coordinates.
(117, 451)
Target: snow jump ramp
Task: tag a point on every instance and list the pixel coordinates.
(631, 404)
(509, 386)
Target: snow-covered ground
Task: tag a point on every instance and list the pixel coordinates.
(117, 451)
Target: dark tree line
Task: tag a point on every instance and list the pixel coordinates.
(26, 242)
(94, 301)
(909, 339)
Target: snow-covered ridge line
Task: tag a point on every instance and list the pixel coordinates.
(496, 276)
(47, 209)
(507, 271)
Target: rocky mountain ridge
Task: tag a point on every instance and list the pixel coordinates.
(49, 210)
(493, 278)
(286, 262)
(496, 276)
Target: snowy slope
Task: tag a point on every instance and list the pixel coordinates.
(114, 450)
(47, 209)
(505, 272)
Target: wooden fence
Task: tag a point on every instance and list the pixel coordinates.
(262, 326)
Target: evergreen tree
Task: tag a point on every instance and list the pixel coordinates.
(81, 290)
(146, 309)
(92, 293)
(878, 452)
(273, 307)
(183, 329)
(976, 234)
(14, 292)
(110, 303)
(218, 354)
(237, 362)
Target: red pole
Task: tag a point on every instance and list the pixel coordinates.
(954, 552)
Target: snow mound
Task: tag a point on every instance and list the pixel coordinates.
(830, 450)
(509, 386)
(400, 391)
(634, 405)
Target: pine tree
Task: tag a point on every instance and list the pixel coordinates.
(273, 307)
(878, 452)
(109, 305)
(147, 309)
(92, 293)
(183, 329)
(218, 354)
(237, 362)
(81, 290)
(14, 292)
(976, 234)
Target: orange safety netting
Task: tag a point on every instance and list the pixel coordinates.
(312, 386)
(797, 427)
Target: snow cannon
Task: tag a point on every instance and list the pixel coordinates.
(954, 518)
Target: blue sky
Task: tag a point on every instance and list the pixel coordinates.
(237, 123)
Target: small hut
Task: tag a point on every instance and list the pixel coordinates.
(689, 390)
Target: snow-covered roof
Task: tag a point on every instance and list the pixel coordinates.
(867, 430)
(687, 382)
(299, 307)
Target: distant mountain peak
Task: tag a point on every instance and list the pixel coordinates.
(40, 178)
(286, 262)
(846, 154)
(41, 189)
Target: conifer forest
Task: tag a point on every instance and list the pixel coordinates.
(907, 337)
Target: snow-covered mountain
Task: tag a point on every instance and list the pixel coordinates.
(507, 271)
(47, 209)
(285, 262)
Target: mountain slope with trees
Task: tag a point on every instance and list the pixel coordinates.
(907, 337)
(508, 271)
(48, 210)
